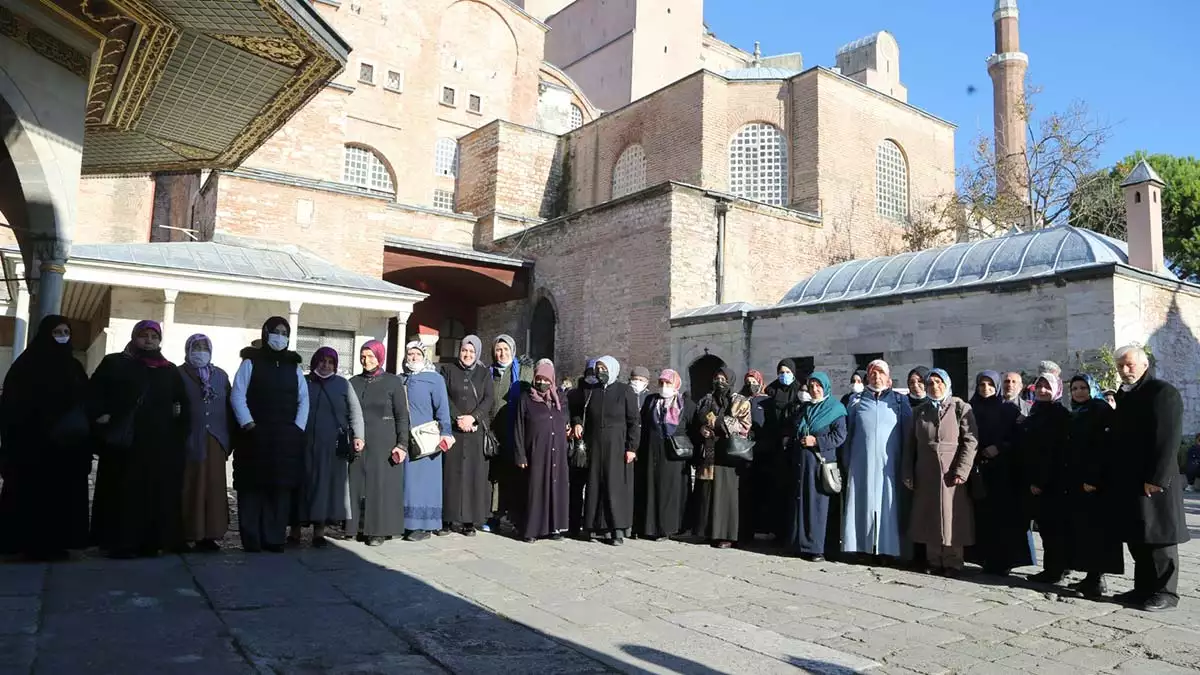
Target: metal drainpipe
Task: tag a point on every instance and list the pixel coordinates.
(722, 208)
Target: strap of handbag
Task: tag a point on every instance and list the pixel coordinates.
(332, 412)
(482, 423)
(587, 399)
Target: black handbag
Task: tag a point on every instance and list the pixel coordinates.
(680, 446)
(577, 454)
(491, 444)
(738, 447)
(72, 428)
(345, 436)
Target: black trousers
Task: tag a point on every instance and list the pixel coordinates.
(1155, 569)
(263, 516)
(577, 485)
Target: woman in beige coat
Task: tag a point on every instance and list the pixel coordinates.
(937, 463)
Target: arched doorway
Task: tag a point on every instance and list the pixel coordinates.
(541, 330)
(700, 375)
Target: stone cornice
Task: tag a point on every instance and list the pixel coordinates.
(996, 59)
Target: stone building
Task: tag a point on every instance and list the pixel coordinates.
(460, 160)
(1005, 303)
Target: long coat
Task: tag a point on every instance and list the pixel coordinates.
(137, 507)
(377, 483)
(1003, 538)
(466, 495)
(1147, 433)
(660, 479)
(942, 447)
(877, 427)
(332, 407)
(427, 402)
(610, 428)
(809, 505)
(540, 434)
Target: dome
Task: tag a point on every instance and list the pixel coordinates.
(760, 73)
(1022, 255)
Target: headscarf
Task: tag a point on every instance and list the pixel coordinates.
(1094, 392)
(923, 373)
(380, 351)
(415, 344)
(995, 416)
(883, 367)
(205, 373)
(1055, 385)
(670, 411)
(818, 415)
(44, 383)
(614, 368)
(514, 366)
(152, 358)
(784, 398)
(861, 374)
(944, 377)
(762, 384)
(545, 368)
(475, 342)
(723, 402)
(322, 353)
(991, 375)
(589, 370)
(44, 340)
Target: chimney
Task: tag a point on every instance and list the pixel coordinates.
(1143, 218)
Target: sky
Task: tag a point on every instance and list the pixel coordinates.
(1135, 64)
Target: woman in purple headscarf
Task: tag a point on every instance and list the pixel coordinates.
(140, 406)
(205, 502)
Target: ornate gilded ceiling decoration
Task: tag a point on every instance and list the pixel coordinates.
(185, 150)
(23, 32)
(274, 49)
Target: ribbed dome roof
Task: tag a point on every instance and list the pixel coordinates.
(1024, 255)
(760, 73)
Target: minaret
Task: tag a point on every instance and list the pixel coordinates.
(1143, 218)
(1007, 68)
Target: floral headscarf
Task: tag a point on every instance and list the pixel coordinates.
(148, 358)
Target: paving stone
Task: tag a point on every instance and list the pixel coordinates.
(265, 580)
(285, 637)
(984, 651)
(1127, 620)
(932, 660)
(147, 585)
(23, 579)
(1169, 644)
(17, 653)
(903, 635)
(929, 599)
(972, 631)
(1030, 663)
(590, 613)
(872, 650)
(989, 669)
(1144, 666)
(1082, 633)
(808, 656)
(1091, 658)
(19, 615)
(1036, 644)
(1016, 618)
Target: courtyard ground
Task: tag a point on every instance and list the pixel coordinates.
(490, 604)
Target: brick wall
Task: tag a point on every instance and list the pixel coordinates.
(510, 169)
(114, 210)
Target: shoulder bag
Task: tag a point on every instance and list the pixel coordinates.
(831, 478)
(426, 436)
(345, 439)
(491, 445)
(681, 446)
(739, 447)
(577, 454)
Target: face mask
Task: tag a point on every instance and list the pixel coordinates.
(591, 379)
(719, 385)
(602, 377)
(277, 342)
(62, 339)
(857, 387)
(199, 359)
(668, 391)
(324, 376)
(543, 387)
(787, 379)
(804, 396)
(755, 387)
(638, 386)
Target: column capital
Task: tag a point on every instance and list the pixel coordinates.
(294, 307)
(169, 295)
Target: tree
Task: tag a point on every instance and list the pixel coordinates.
(1101, 207)
(1060, 161)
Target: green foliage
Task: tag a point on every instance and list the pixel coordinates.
(1101, 207)
(1101, 364)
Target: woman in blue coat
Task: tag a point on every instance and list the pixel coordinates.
(819, 432)
(427, 402)
(879, 422)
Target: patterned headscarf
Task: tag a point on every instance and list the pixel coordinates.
(380, 351)
(944, 377)
(545, 368)
(673, 409)
(205, 373)
(1056, 388)
(1093, 391)
(757, 377)
(152, 358)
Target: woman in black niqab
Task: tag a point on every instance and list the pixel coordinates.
(44, 456)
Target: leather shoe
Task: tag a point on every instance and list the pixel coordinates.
(1159, 602)
(1134, 598)
(1047, 577)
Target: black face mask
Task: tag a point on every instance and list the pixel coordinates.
(542, 386)
(719, 385)
(754, 387)
(602, 375)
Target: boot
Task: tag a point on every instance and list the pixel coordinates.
(1091, 587)
(1048, 577)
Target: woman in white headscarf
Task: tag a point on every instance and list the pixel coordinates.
(610, 426)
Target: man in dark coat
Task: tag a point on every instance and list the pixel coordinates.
(1148, 429)
(270, 402)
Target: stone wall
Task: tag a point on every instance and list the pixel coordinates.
(511, 170)
(1002, 330)
(115, 209)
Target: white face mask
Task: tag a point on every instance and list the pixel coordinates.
(638, 386)
(324, 375)
(857, 387)
(199, 359)
(806, 397)
(668, 391)
(62, 339)
(277, 342)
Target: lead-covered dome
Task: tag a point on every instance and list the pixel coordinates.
(1025, 255)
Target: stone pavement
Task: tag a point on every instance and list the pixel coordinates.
(490, 604)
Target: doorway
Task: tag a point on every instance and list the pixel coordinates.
(541, 330)
(700, 375)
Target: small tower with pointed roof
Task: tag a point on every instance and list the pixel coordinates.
(1007, 67)
(1143, 218)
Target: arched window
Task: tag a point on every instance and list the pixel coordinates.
(364, 168)
(449, 338)
(891, 181)
(629, 173)
(576, 117)
(445, 161)
(758, 164)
